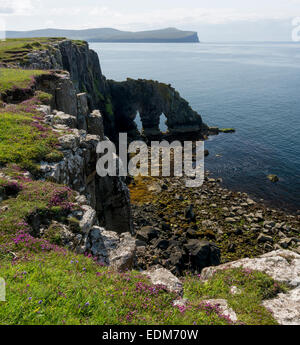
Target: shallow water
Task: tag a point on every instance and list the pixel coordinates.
(252, 87)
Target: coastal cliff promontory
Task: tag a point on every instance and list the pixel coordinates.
(70, 239)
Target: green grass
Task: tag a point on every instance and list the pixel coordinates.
(254, 287)
(24, 139)
(30, 200)
(17, 78)
(43, 97)
(64, 288)
(32, 196)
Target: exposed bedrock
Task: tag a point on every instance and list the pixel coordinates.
(151, 99)
(108, 195)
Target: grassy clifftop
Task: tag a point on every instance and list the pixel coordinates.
(11, 78)
(14, 51)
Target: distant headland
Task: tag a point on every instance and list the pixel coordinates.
(168, 35)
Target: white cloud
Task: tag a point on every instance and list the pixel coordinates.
(210, 15)
(18, 7)
(172, 17)
(87, 15)
(180, 15)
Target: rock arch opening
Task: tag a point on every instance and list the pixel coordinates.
(138, 122)
(163, 125)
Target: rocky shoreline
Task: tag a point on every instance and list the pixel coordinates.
(185, 229)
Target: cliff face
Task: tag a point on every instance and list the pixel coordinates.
(109, 196)
(82, 64)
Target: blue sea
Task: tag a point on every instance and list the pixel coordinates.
(252, 87)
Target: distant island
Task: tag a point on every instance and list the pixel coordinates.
(168, 35)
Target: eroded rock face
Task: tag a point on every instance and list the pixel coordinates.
(108, 195)
(82, 64)
(114, 203)
(60, 86)
(78, 164)
(83, 110)
(151, 99)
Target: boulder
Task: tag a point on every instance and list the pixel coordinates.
(122, 258)
(189, 213)
(111, 249)
(69, 141)
(264, 238)
(102, 241)
(161, 244)
(161, 276)
(230, 220)
(202, 254)
(147, 233)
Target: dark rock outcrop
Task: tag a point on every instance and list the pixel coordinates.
(151, 99)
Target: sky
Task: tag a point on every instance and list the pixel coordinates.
(212, 19)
